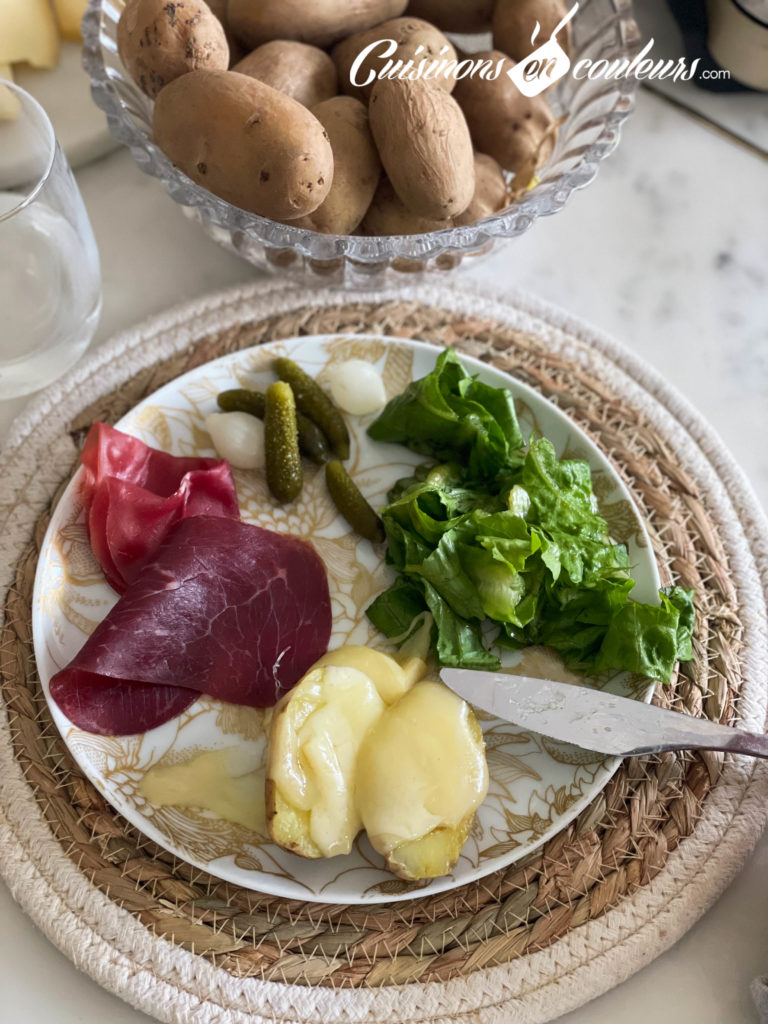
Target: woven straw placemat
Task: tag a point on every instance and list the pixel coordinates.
(583, 912)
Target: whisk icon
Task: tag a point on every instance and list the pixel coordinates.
(545, 65)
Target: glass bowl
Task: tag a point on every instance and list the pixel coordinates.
(592, 113)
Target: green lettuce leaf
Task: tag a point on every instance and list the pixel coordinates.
(454, 418)
(648, 639)
(511, 536)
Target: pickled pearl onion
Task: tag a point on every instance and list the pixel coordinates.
(237, 437)
(356, 387)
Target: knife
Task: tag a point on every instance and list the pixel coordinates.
(593, 719)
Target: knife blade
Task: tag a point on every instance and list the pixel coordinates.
(593, 719)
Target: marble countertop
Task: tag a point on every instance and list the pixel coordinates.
(668, 251)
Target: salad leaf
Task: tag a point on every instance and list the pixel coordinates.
(454, 417)
(393, 611)
(646, 638)
(511, 535)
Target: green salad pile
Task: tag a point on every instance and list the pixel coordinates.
(501, 530)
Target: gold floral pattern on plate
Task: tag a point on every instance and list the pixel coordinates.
(536, 786)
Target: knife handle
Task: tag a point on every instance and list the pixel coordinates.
(711, 736)
(747, 743)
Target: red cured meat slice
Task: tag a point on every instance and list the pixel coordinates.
(225, 608)
(134, 494)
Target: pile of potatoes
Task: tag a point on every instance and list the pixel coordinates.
(253, 101)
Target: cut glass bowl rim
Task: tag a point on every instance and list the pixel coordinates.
(544, 200)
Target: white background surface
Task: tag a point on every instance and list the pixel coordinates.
(668, 251)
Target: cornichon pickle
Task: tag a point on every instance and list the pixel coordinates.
(312, 441)
(313, 402)
(351, 504)
(281, 443)
(243, 400)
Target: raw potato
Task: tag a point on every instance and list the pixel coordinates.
(314, 741)
(387, 215)
(491, 192)
(305, 73)
(516, 130)
(515, 20)
(409, 34)
(421, 776)
(322, 22)
(424, 145)
(246, 142)
(469, 16)
(158, 41)
(356, 167)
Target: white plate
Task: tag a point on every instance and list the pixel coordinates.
(537, 786)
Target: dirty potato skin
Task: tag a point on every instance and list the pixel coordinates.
(322, 22)
(356, 167)
(409, 34)
(159, 41)
(305, 73)
(518, 131)
(454, 15)
(515, 20)
(246, 142)
(424, 145)
(491, 193)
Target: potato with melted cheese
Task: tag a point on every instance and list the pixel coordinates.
(421, 776)
(390, 677)
(361, 742)
(315, 738)
(316, 733)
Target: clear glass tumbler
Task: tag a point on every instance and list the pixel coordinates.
(50, 280)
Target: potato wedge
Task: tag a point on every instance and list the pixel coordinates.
(421, 775)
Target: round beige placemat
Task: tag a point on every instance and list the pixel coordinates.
(524, 945)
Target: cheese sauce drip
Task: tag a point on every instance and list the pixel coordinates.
(228, 782)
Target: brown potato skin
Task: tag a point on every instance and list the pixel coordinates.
(454, 15)
(515, 20)
(491, 192)
(305, 73)
(388, 216)
(504, 123)
(246, 142)
(356, 167)
(409, 34)
(424, 145)
(322, 22)
(236, 52)
(158, 42)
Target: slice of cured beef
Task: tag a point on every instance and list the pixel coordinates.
(134, 494)
(225, 608)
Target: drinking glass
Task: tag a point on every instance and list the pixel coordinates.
(50, 280)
